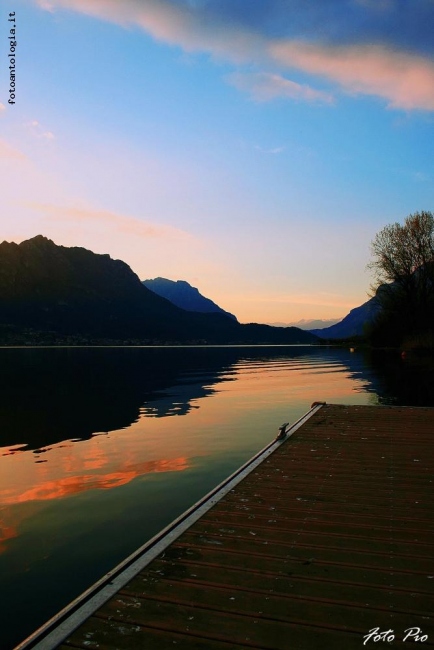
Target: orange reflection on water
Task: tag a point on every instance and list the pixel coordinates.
(70, 485)
(241, 415)
(71, 468)
(274, 393)
(30, 479)
(7, 532)
(109, 461)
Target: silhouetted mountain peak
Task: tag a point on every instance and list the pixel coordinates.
(352, 324)
(50, 292)
(39, 239)
(183, 295)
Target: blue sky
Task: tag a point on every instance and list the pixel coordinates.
(251, 148)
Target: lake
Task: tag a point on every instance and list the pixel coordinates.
(100, 448)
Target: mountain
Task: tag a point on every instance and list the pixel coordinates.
(353, 323)
(309, 325)
(183, 295)
(410, 308)
(54, 293)
(72, 290)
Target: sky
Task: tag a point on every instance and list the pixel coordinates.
(251, 148)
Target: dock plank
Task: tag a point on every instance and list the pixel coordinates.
(329, 537)
(315, 584)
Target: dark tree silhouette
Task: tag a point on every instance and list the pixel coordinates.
(403, 268)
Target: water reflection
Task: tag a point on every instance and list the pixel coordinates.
(398, 381)
(94, 461)
(51, 395)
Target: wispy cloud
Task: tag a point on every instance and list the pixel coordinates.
(10, 153)
(2, 108)
(420, 177)
(120, 223)
(37, 130)
(265, 86)
(405, 80)
(274, 150)
(378, 65)
(190, 27)
(319, 299)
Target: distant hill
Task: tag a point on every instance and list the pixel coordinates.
(398, 312)
(50, 292)
(353, 323)
(183, 295)
(309, 324)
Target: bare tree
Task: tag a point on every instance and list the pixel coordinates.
(399, 251)
(403, 268)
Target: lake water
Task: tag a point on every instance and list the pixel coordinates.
(100, 448)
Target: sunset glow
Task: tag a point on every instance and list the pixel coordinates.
(249, 392)
(253, 151)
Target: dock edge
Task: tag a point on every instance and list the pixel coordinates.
(62, 625)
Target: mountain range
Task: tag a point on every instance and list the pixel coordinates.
(183, 295)
(353, 324)
(309, 324)
(55, 293)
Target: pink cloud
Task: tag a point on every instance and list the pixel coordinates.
(405, 80)
(169, 22)
(118, 222)
(264, 87)
(9, 153)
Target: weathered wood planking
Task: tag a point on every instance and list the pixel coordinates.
(330, 537)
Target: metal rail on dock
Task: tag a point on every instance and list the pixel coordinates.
(60, 626)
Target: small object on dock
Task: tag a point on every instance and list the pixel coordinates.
(282, 431)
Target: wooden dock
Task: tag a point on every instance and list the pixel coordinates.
(326, 536)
